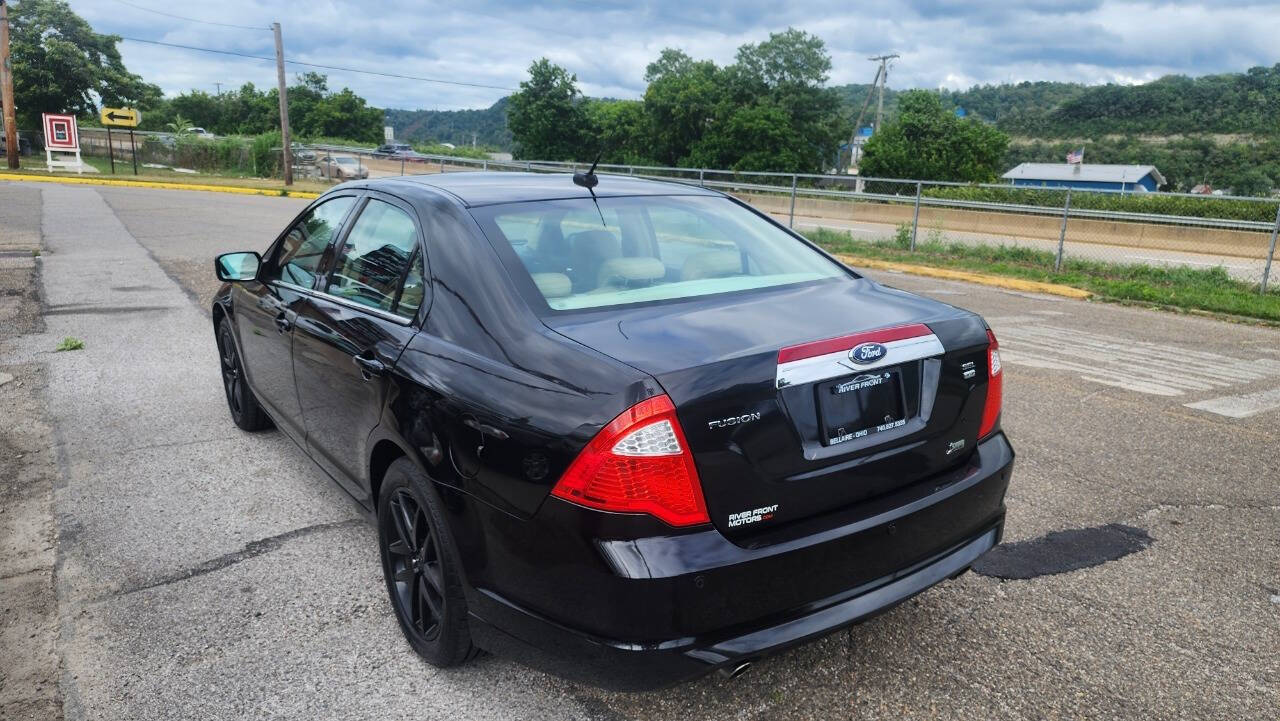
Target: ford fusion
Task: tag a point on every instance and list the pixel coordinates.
(625, 431)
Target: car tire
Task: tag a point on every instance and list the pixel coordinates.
(245, 409)
(421, 567)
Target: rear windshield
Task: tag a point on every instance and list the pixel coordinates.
(650, 248)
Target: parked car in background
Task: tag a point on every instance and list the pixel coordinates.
(302, 155)
(201, 133)
(397, 151)
(341, 167)
(629, 435)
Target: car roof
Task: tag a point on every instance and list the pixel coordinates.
(490, 188)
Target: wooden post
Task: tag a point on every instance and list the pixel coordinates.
(6, 91)
(287, 154)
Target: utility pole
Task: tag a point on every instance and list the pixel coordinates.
(286, 151)
(883, 75)
(219, 87)
(858, 123)
(6, 91)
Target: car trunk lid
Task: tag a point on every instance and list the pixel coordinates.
(785, 427)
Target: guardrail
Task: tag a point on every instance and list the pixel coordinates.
(1065, 227)
(1085, 232)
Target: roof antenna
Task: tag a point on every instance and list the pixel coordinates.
(589, 180)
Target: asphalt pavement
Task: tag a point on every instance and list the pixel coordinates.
(207, 573)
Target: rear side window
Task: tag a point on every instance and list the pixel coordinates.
(645, 249)
(374, 260)
(304, 245)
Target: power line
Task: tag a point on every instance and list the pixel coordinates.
(323, 67)
(191, 20)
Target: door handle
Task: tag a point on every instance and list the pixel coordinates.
(283, 324)
(369, 367)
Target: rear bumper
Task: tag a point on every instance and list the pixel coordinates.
(729, 604)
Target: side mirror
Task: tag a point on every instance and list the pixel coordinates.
(237, 267)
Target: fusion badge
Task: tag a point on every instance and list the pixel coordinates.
(733, 420)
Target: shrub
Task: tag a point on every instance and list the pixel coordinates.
(265, 153)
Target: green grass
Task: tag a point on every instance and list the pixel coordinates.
(70, 343)
(1202, 289)
(36, 165)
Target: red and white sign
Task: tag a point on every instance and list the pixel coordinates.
(60, 133)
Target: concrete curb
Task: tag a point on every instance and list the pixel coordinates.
(240, 190)
(995, 281)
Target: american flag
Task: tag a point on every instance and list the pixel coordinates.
(1075, 157)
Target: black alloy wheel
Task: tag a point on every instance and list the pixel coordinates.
(419, 562)
(414, 565)
(245, 411)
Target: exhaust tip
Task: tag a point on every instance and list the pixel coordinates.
(735, 670)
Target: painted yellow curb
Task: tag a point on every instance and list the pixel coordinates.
(156, 184)
(995, 281)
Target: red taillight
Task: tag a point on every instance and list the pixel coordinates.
(995, 388)
(639, 463)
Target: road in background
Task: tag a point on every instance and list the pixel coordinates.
(209, 573)
(1238, 268)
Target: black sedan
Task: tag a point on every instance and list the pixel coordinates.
(629, 434)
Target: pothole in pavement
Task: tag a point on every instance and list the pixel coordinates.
(1062, 552)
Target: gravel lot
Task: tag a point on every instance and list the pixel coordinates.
(205, 573)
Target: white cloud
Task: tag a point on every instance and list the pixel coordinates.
(947, 43)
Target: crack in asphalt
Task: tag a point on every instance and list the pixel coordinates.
(253, 549)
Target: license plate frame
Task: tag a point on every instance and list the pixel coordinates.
(861, 405)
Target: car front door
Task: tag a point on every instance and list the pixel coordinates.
(265, 311)
(351, 332)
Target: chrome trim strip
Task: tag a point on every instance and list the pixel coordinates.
(833, 365)
(345, 303)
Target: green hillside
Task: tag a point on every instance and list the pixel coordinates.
(454, 126)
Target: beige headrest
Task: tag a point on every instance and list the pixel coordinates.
(711, 264)
(553, 285)
(625, 271)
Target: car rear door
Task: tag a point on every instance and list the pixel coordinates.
(351, 331)
(266, 310)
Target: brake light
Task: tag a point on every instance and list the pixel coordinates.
(638, 463)
(995, 388)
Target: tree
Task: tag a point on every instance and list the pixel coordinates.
(767, 111)
(928, 142)
(546, 115)
(1253, 182)
(60, 65)
(621, 131)
(178, 126)
(681, 102)
(314, 111)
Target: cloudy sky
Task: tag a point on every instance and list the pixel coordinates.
(607, 43)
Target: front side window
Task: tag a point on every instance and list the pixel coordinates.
(375, 258)
(648, 248)
(298, 257)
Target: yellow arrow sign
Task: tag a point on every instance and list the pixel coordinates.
(121, 117)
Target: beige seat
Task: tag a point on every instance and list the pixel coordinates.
(711, 264)
(553, 285)
(629, 272)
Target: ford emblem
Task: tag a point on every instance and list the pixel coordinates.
(865, 353)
